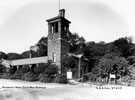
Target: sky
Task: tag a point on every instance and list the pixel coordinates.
(23, 22)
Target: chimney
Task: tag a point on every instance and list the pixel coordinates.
(62, 12)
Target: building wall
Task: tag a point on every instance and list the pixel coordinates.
(58, 43)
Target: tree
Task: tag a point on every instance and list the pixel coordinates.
(131, 60)
(42, 46)
(3, 55)
(25, 54)
(115, 62)
(124, 45)
(131, 70)
(13, 56)
(94, 51)
(77, 43)
(68, 62)
(2, 69)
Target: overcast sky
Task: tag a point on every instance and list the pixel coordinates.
(23, 22)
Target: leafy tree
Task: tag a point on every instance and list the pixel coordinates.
(94, 51)
(131, 70)
(113, 62)
(111, 48)
(124, 45)
(76, 43)
(3, 55)
(25, 54)
(131, 60)
(42, 46)
(14, 56)
(69, 62)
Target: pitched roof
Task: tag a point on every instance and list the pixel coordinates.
(6, 63)
(78, 56)
(27, 61)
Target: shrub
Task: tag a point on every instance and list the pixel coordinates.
(2, 69)
(17, 75)
(86, 77)
(30, 76)
(125, 78)
(51, 70)
(49, 74)
(43, 78)
(46, 78)
(61, 78)
(1, 75)
(25, 69)
(89, 77)
(6, 76)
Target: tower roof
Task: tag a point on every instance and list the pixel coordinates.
(61, 17)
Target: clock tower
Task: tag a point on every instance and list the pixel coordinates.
(58, 34)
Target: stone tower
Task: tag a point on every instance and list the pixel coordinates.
(58, 34)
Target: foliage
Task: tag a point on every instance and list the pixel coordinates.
(25, 54)
(41, 68)
(131, 60)
(16, 75)
(30, 76)
(6, 76)
(51, 70)
(13, 56)
(86, 77)
(61, 78)
(124, 45)
(89, 77)
(24, 69)
(114, 63)
(44, 78)
(3, 55)
(49, 74)
(125, 78)
(42, 45)
(77, 43)
(93, 52)
(131, 70)
(69, 62)
(2, 69)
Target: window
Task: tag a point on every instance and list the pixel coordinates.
(54, 27)
(54, 57)
(65, 29)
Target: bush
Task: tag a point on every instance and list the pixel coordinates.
(30, 76)
(49, 74)
(61, 78)
(86, 77)
(1, 75)
(43, 78)
(46, 78)
(24, 69)
(17, 75)
(6, 76)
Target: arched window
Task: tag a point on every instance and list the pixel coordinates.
(54, 57)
